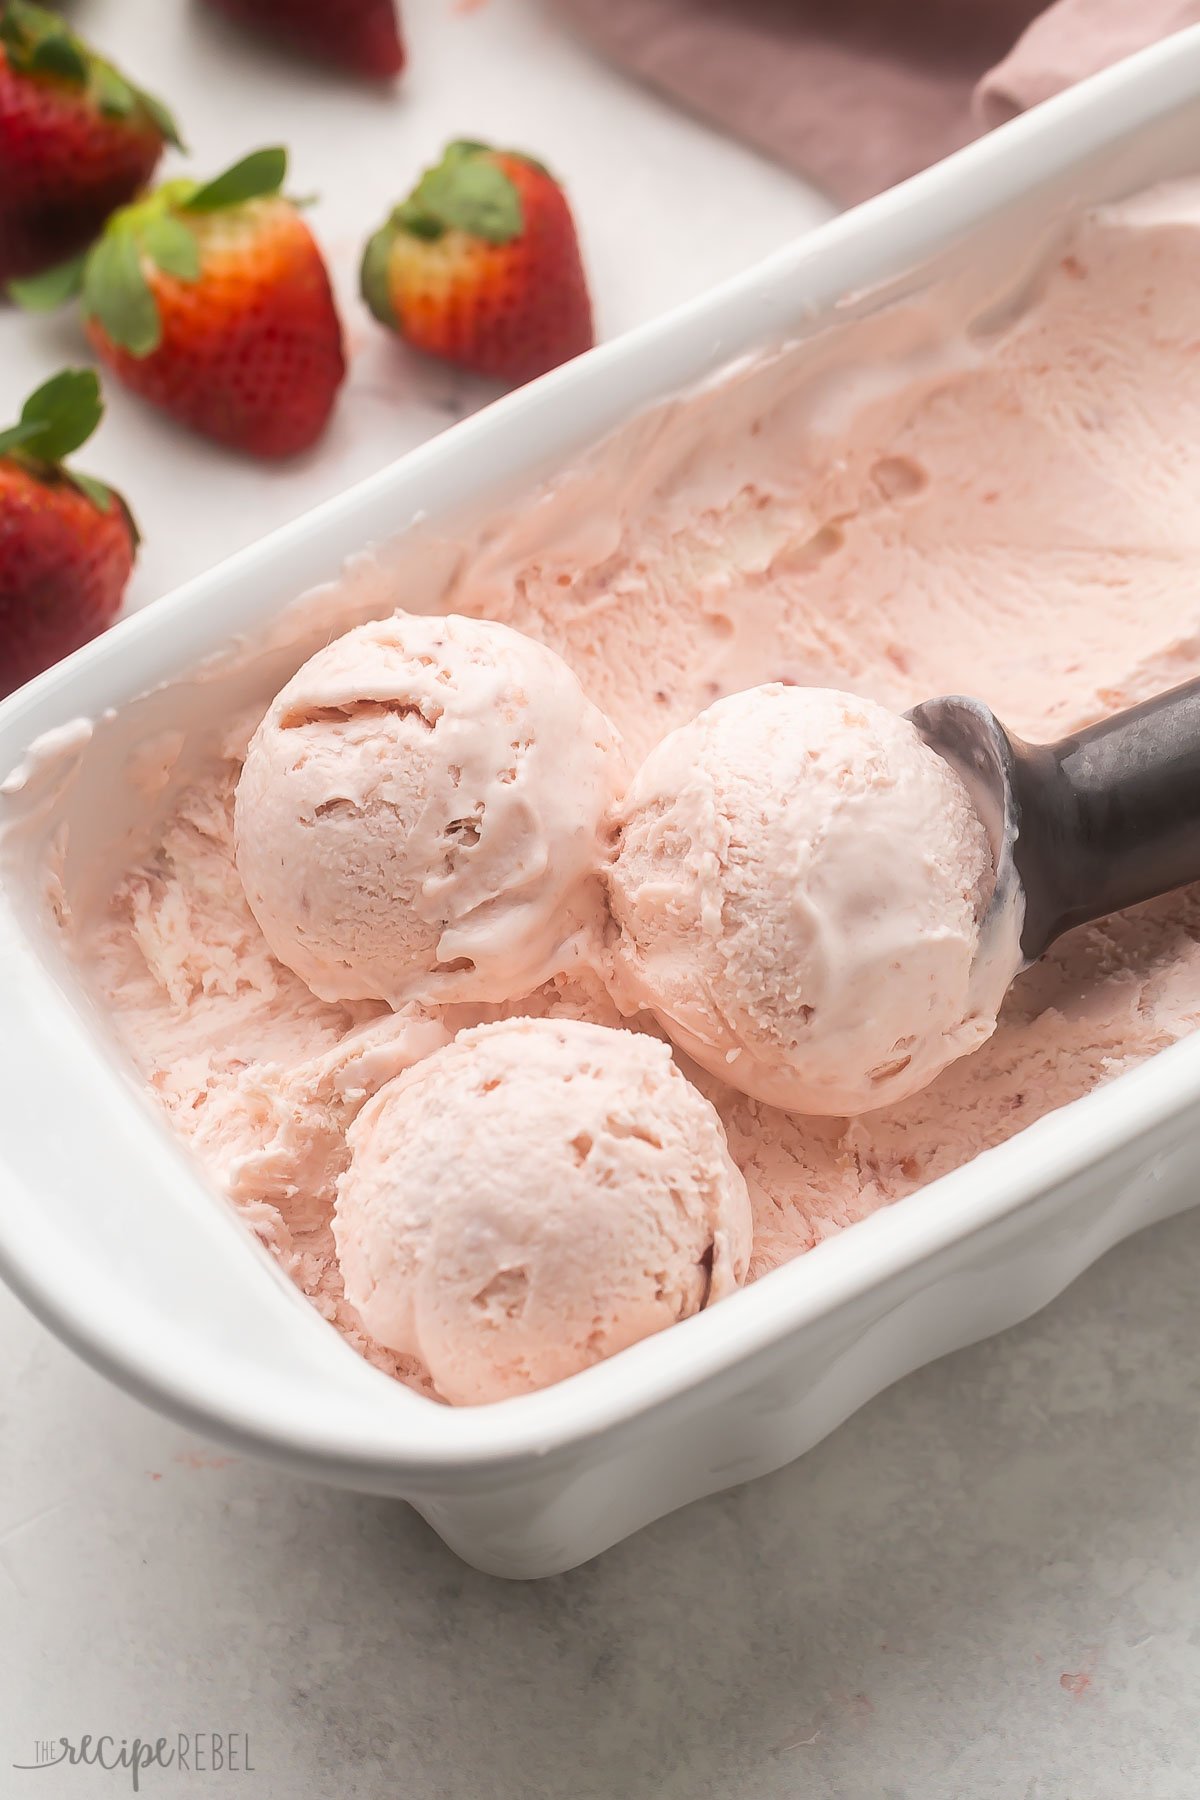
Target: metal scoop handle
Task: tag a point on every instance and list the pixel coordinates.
(1108, 817)
(1102, 820)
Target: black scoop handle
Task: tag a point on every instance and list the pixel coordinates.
(1108, 817)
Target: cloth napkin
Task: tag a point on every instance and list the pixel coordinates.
(857, 94)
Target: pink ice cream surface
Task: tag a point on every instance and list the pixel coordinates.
(418, 816)
(799, 887)
(997, 496)
(532, 1198)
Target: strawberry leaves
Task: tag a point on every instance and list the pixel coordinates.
(116, 292)
(374, 279)
(256, 177)
(466, 191)
(160, 117)
(38, 42)
(57, 418)
(117, 98)
(102, 497)
(172, 247)
(161, 232)
(42, 293)
(58, 55)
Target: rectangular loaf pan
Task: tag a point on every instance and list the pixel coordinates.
(108, 1229)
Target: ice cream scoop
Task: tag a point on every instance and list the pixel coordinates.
(1098, 821)
(533, 1197)
(419, 815)
(799, 883)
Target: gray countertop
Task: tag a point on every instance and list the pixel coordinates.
(986, 1584)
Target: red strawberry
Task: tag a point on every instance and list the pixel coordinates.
(66, 542)
(213, 303)
(360, 35)
(76, 140)
(481, 265)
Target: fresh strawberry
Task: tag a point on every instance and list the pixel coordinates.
(360, 35)
(67, 542)
(76, 140)
(481, 265)
(213, 303)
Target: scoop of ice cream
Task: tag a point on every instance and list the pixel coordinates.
(799, 884)
(534, 1197)
(419, 814)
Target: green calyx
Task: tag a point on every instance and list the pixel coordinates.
(159, 232)
(55, 420)
(467, 192)
(373, 276)
(38, 42)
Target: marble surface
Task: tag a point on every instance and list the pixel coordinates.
(665, 209)
(985, 1587)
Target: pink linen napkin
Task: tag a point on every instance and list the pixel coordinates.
(857, 94)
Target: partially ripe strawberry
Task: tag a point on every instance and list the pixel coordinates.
(360, 35)
(77, 140)
(481, 266)
(67, 542)
(212, 302)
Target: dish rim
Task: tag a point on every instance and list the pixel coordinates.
(942, 204)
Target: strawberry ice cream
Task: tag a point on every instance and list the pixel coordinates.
(531, 1199)
(419, 812)
(799, 885)
(990, 487)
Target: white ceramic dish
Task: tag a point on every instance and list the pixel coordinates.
(109, 1231)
